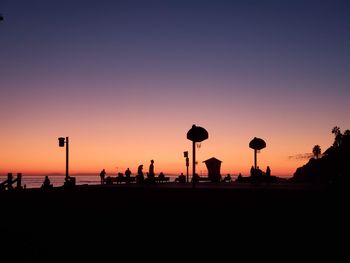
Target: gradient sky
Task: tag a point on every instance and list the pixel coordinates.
(125, 80)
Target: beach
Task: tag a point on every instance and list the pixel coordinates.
(164, 216)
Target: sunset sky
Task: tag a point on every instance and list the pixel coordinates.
(125, 80)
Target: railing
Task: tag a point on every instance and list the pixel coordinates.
(8, 183)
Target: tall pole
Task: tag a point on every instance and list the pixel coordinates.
(67, 157)
(255, 151)
(187, 164)
(193, 163)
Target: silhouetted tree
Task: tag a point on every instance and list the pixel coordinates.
(333, 167)
(316, 151)
(336, 130)
(338, 136)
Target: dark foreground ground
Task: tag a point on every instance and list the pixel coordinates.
(172, 222)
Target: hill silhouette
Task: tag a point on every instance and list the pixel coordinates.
(334, 165)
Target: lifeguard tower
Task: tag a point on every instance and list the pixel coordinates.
(213, 166)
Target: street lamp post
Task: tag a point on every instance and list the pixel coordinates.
(196, 134)
(187, 164)
(61, 142)
(256, 144)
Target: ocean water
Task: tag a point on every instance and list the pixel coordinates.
(35, 181)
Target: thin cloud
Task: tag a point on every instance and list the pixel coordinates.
(301, 156)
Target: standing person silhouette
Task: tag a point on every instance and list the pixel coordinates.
(140, 174)
(151, 170)
(102, 175)
(252, 171)
(127, 175)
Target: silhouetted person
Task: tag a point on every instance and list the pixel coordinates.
(181, 178)
(102, 175)
(227, 178)
(268, 171)
(151, 170)
(127, 175)
(140, 176)
(139, 170)
(252, 171)
(47, 183)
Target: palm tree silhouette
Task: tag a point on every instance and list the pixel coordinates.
(338, 136)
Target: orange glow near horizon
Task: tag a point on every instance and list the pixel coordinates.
(120, 135)
(37, 152)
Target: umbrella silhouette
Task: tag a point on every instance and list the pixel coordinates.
(257, 144)
(196, 134)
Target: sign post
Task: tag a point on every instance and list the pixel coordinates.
(187, 165)
(61, 142)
